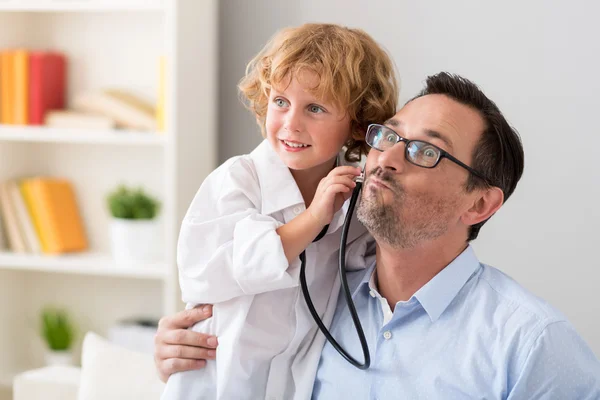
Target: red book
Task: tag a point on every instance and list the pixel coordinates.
(47, 84)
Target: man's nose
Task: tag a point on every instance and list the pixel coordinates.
(293, 120)
(394, 158)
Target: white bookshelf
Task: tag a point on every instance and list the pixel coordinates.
(85, 264)
(82, 5)
(32, 134)
(108, 43)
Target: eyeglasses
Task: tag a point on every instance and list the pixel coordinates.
(417, 152)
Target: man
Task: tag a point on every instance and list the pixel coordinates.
(439, 324)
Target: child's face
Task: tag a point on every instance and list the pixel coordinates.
(306, 133)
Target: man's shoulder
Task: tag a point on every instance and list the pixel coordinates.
(506, 319)
(515, 299)
(539, 343)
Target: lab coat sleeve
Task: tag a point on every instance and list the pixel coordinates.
(226, 248)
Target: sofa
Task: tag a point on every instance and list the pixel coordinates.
(108, 371)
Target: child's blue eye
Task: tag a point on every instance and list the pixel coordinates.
(315, 109)
(280, 102)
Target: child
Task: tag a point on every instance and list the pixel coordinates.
(313, 90)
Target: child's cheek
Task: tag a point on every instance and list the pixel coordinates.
(272, 124)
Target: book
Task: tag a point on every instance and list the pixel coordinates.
(160, 104)
(20, 87)
(47, 84)
(6, 87)
(13, 234)
(128, 110)
(78, 120)
(3, 240)
(28, 233)
(53, 207)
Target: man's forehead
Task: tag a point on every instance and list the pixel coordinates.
(439, 116)
(434, 106)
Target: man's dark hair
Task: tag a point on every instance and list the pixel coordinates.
(499, 153)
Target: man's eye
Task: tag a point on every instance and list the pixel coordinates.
(315, 109)
(391, 138)
(429, 152)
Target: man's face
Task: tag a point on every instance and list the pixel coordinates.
(405, 205)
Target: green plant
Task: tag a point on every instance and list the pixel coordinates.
(57, 329)
(129, 203)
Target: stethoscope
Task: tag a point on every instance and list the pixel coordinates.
(344, 281)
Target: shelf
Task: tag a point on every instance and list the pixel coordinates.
(42, 134)
(81, 5)
(82, 263)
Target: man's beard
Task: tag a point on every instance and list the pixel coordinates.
(428, 217)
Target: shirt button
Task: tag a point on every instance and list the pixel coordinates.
(297, 210)
(387, 335)
(372, 293)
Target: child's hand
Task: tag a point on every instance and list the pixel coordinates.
(332, 192)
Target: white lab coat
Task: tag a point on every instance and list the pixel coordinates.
(230, 255)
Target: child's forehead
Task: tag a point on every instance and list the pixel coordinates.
(306, 77)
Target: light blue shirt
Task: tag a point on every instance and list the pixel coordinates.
(470, 333)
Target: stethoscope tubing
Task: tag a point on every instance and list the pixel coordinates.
(345, 289)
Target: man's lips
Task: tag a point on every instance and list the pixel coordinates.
(378, 183)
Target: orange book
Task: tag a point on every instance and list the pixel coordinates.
(21, 87)
(53, 208)
(6, 87)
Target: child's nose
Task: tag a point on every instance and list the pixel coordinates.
(293, 121)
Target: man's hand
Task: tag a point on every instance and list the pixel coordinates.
(178, 349)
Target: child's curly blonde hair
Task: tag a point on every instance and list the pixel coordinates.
(354, 72)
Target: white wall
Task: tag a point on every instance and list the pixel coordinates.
(538, 60)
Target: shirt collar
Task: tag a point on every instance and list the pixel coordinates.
(364, 283)
(437, 294)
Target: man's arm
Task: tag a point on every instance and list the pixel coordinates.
(560, 365)
(178, 349)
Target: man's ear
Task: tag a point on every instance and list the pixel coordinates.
(484, 206)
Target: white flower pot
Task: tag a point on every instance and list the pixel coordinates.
(59, 357)
(135, 240)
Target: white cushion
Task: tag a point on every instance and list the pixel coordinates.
(111, 372)
(48, 383)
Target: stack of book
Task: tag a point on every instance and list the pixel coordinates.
(33, 92)
(40, 215)
(31, 84)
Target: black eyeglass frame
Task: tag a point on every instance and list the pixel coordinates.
(443, 153)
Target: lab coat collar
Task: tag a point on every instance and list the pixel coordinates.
(277, 185)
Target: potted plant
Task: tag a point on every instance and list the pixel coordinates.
(134, 229)
(58, 332)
